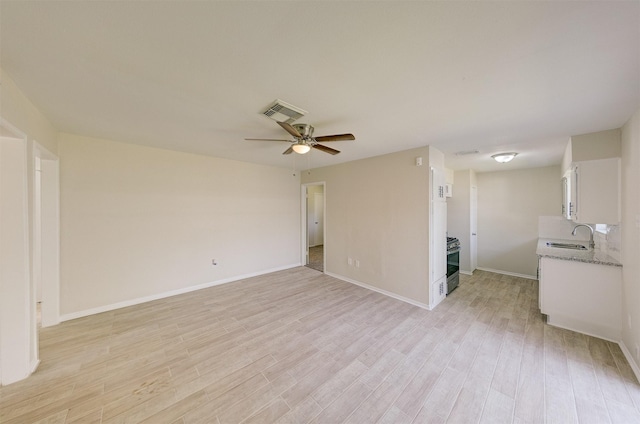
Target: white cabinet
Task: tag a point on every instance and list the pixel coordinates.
(594, 191)
(583, 297)
(448, 190)
(438, 291)
(438, 238)
(566, 195)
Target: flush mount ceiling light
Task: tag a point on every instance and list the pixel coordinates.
(504, 157)
(301, 148)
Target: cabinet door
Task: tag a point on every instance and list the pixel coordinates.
(582, 297)
(597, 191)
(438, 292)
(572, 185)
(438, 185)
(565, 197)
(438, 227)
(439, 241)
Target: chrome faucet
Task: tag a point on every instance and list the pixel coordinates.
(592, 244)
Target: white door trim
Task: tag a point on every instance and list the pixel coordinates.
(17, 296)
(48, 241)
(304, 242)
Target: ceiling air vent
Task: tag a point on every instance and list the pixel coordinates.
(467, 152)
(283, 112)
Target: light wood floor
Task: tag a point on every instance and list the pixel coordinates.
(298, 346)
(316, 258)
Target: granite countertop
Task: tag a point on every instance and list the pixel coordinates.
(588, 256)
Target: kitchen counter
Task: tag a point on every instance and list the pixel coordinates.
(588, 256)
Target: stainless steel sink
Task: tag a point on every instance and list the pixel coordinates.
(567, 246)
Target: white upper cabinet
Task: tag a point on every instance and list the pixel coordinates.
(591, 189)
(595, 191)
(437, 229)
(566, 195)
(438, 226)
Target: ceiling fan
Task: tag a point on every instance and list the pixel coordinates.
(304, 139)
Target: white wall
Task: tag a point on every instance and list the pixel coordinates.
(377, 212)
(509, 204)
(630, 229)
(19, 351)
(139, 223)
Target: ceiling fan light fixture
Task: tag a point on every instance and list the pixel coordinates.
(504, 157)
(301, 148)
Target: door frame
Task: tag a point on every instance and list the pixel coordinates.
(304, 229)
(318, 203)
(46, 233)
(18, 347)
(473, 227)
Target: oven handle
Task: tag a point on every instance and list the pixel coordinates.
(453, 251)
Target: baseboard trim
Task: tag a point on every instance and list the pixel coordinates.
(465, 272)
(630, 359)
(379, 290)
(512, 274)
(578, 327)
(132, 302)
(34, 366)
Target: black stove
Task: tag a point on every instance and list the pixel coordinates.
(453, 244)
(453, 263)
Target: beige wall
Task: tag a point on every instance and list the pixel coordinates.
(139, 222)
(18, 110)
(598, 145)
(631, 235)
(377, 212)
(509, 204)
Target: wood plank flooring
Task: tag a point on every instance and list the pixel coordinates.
(298, 346)
(316, 258)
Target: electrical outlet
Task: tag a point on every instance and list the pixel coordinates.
(349, 261)
(357, 263)
(213, 262)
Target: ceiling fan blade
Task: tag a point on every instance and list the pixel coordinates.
(266, 139)
(289, 128)
(326, 149)
(288, 151)
(337, 137)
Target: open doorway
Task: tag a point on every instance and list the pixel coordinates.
(314, 228)
(46, 235)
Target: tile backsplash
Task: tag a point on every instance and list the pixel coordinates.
(612, 241)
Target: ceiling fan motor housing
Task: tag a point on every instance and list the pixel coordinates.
(305, 130)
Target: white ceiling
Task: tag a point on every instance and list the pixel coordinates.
(194, 76)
